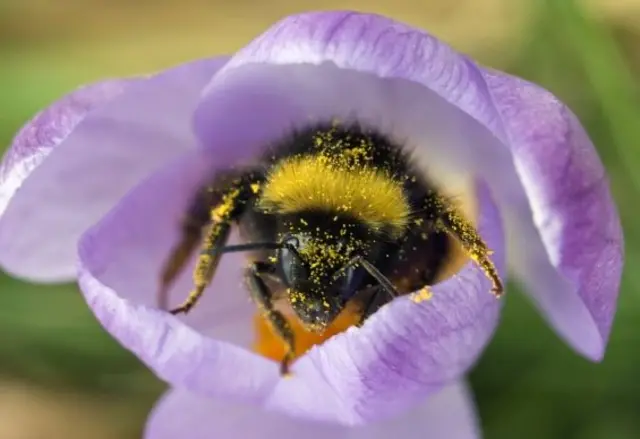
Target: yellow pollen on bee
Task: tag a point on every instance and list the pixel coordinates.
(474, 247)
(222, 211)
(255, 188)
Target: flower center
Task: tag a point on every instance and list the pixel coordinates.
(269, 345)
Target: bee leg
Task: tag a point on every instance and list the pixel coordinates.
(261, 295)
(382, 280)
(372, 303)
(447, 219)
(206, 266)
(231, 205)
(197, 217)
(376, 299)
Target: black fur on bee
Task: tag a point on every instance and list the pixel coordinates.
(332, 214)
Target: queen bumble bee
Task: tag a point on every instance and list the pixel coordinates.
(333, 214)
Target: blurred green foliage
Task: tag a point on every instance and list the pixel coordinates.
(528, 384)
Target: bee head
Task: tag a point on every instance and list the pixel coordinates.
(315, 268)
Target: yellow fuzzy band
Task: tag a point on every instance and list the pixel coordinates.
(314, 182)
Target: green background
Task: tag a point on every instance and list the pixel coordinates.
(528, 384)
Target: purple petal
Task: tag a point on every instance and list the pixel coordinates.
(75, 159)
(404, 353)
(449, 414)
(461, 119)
(121, 258)
(573, 210)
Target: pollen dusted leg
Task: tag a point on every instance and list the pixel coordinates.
(197, 217)
(207, 264)
(230, 203)
(450, 221)
(261, 295)
(191, 235)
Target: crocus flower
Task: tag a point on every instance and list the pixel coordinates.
(93, 189)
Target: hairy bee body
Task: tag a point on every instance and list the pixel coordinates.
(331, 215)
(410, 258)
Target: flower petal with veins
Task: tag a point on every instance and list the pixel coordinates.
(572, 209)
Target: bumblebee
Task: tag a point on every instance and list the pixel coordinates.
(332, 214)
